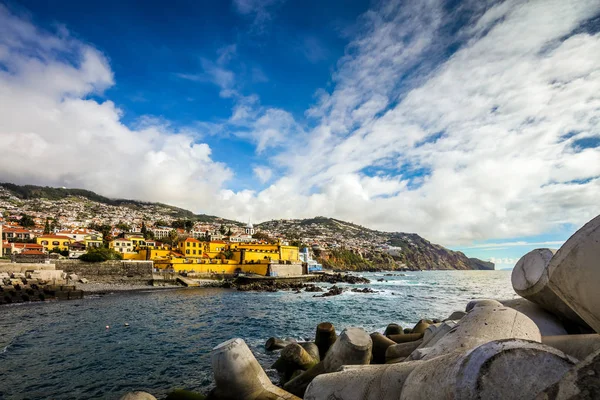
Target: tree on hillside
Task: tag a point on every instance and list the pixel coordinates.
(262, 236)
(47, 227)
(144, 230)
(27, 221)
(183, 224)
(222, 229)
(123, 226)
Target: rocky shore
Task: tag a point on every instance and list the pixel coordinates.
(544, 345)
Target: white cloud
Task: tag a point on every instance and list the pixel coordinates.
(263, 174)
(53, 134)
(478, 145)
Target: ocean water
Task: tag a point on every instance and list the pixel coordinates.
(62, 350)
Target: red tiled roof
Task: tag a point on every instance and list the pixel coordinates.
(192, 240)
(53, 237)
(26, 245)
(33, 252)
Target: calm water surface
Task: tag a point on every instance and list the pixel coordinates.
(62, 350)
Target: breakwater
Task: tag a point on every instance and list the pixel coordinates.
(65, 349)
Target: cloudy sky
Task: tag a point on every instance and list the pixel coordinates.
(473, 123)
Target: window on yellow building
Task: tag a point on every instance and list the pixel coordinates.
(54, 243)
(187, 251)
(194, 251)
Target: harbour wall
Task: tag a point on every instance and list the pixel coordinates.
(115, 271)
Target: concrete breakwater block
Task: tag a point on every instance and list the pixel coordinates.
(482, 325)
(577, 346)
(138, 396)
(294, 357)
(501, 369)
(353, 347)
(495, 370)
(274, 343)
(548, 323)
(429, 342)
(325, 337)
(393, 329)
(581, 383)
(380, 346)
(574, 273)
(401, 350)
(530, 279)
(365, 382)
(406, 337)
(239, 376)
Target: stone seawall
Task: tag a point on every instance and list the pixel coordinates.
(117, 271)
(22, 267)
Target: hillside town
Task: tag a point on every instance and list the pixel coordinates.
(58, 223)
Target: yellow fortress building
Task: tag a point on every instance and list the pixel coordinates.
(221, 257)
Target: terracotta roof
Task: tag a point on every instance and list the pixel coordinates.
(53, 237)
(33, 252)
(192, 240)
(26, 245)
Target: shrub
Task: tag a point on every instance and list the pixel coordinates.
(99, 255)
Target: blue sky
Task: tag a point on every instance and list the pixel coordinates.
(473, 123)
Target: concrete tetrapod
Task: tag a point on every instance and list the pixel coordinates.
(238, 376)
(406, 337)
(501, 369)
(581, 383)
(311, 349)
(325, 337)
(548, 324)
(401, 350)
(380, 346)
(428, 343)
(481, 325)
(577, 346)
(292, 358)
(274, 343)
(530, 279)
(353, 347)
(138, 396)
(482, 303)
(393, 329)
(575, 274)
(366, 382)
